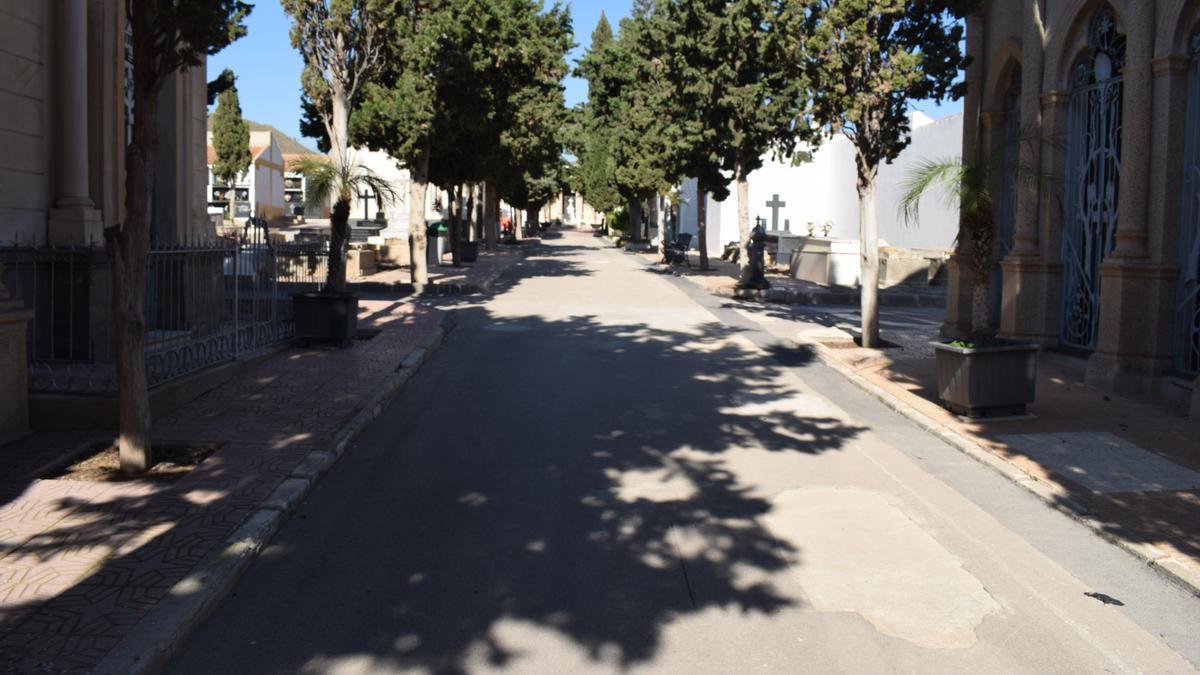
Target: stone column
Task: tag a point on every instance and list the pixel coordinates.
(1136, 123)
(957, 322)
(1033, 40)
(1194, 416)
(1029, 308)
(74, 218)
(14, 373)
(1138, 289)
(1032, 272)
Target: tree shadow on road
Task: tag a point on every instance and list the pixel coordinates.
(551, 480)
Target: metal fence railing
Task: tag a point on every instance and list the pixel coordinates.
(206, 304)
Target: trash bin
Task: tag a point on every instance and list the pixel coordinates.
(468, 251)
(435, 236)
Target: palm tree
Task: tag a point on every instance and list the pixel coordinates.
(965, 186)
(339, 178)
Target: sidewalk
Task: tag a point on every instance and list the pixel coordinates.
(444, 279)
(721, 280)
(1128, 468)
(86, 566)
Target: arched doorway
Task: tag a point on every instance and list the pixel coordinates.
(1187, 309)
(1092, 178)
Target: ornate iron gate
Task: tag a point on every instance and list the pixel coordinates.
(1092, 181)
(1187, 308)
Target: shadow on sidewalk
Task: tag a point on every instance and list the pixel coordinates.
(72, 586)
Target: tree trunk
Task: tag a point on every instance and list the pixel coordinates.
(653, 218)
(664, 218)
(702, 225)
(646, 226)
(339, 243)
(491, 213)
(455, 224)
(233, 203)
(472, 222)
(868, 224)
(417, 189)
(745, 261)
(514, 222)
(980, 312)
(635, 220)
(127, 247)
(533, 223)
(338, 133)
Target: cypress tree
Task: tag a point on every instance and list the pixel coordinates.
(231, 142)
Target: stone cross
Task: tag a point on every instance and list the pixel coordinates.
(775, 205)
(366, 198)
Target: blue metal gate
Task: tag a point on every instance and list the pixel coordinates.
(1092, 181)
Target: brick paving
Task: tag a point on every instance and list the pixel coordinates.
(81, 563)
(1162, 525)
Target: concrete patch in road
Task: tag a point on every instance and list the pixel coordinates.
(1103, 462)
(859, 553)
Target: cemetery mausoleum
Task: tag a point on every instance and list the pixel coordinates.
(1090, 110)
(66, 113)
(66, 118)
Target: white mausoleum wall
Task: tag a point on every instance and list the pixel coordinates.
(396, 210)
(25, 183)
(824, 190)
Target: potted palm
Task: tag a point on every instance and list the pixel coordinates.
(331, 315)
(983, 375)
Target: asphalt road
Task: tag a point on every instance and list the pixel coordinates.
(605, 470)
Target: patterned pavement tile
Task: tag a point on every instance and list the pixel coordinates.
(81, 563)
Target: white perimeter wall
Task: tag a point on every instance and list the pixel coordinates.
(825, 190)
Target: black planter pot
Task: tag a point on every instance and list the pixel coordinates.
(991, 381)
(468, 251)
(326, 317)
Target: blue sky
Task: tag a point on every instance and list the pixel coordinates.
(268, 69)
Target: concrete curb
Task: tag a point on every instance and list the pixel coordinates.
(791, 296)
(1172, 570)
(158, 635)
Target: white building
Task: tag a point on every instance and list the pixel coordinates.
(823, 192)
(260, 190)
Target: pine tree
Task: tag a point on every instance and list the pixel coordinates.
(870, 58)
(231, 141)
